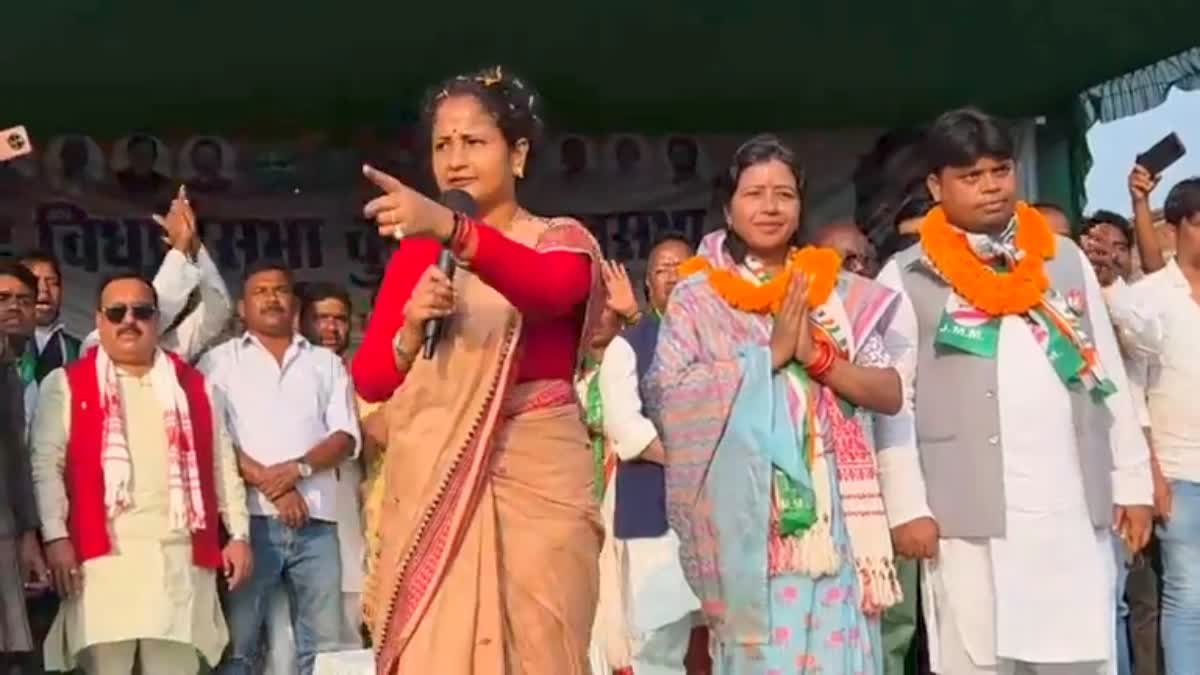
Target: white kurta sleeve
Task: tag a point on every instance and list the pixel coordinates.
(49, 446)
(206, 321)
(900, 475)
(624, 424)
(1131, 456)
(208, 318)
(175, 280)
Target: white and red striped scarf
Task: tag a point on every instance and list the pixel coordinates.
(185, 506)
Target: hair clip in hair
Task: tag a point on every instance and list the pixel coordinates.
(490, 76)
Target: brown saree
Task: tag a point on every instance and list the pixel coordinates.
(488, 531)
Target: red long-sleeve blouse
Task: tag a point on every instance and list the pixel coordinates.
(549, 288)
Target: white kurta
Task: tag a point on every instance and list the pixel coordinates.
(1043, 593)
(148, 587)
(646, 604)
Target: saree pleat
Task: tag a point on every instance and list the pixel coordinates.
(519, 596)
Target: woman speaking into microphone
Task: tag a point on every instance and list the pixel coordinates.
(487, 533)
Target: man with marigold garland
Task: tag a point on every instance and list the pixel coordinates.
(1026, 462)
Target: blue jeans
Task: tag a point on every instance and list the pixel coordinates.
(307, 563)
(1124, 660)
(1179, 544)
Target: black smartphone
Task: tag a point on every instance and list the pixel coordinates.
(1162, 154)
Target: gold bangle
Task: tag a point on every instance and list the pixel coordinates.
(632, 321)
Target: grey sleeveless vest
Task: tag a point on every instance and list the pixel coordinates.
(958, 416)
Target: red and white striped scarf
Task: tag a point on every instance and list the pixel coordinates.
(185, 506)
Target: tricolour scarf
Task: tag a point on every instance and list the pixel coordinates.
(1056, 322)
(830, 426)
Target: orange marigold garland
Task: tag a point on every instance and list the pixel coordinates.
(997, 293)
(820, 264)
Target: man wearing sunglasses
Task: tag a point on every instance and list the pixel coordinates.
(134, 475)
(193, 303)
(858, 255)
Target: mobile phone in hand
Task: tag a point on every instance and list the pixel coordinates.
(14, 142)
(1162, 154)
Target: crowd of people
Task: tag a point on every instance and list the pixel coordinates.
(966, 451)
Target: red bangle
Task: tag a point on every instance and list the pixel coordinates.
(464, 231)
(823, 359)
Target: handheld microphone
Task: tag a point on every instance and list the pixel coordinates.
(460, 201)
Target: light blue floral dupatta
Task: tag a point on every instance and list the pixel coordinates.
(760, 434)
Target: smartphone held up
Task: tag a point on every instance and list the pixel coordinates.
(1162, 154)
(14, 143)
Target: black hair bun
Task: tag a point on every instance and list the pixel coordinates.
(513, 103)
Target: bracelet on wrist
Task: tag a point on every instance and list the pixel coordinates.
(632, 319)
(822, 361)
(404, 359)
(464, 231)
(454, 229)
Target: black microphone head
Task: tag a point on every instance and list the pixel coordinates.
(461, 201)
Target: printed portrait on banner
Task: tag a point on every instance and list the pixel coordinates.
(74, 164)
(141, 165)
(207, 165)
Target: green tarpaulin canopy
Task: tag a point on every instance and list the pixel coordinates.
(651, 65)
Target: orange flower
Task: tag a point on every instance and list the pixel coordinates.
(819, 265)
(996, 293)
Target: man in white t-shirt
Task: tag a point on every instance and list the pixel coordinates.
(1159, 317)
(290, 410)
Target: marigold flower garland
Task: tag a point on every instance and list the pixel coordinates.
(996, 293)
(820, 264)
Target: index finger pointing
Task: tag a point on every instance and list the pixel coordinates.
(382, 180)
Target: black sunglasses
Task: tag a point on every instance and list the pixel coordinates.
(116, 313)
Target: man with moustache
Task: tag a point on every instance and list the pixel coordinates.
(43, 348)
(135, 474)
(17, 327)
(291, 412)
(22, 567)
(858, 255)
(55, 347)
(649, 616)
(194, 305)
(325, 321)
(325, 312)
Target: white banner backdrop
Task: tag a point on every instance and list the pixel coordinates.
(627, 188)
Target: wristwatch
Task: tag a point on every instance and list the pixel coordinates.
(305, 469)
